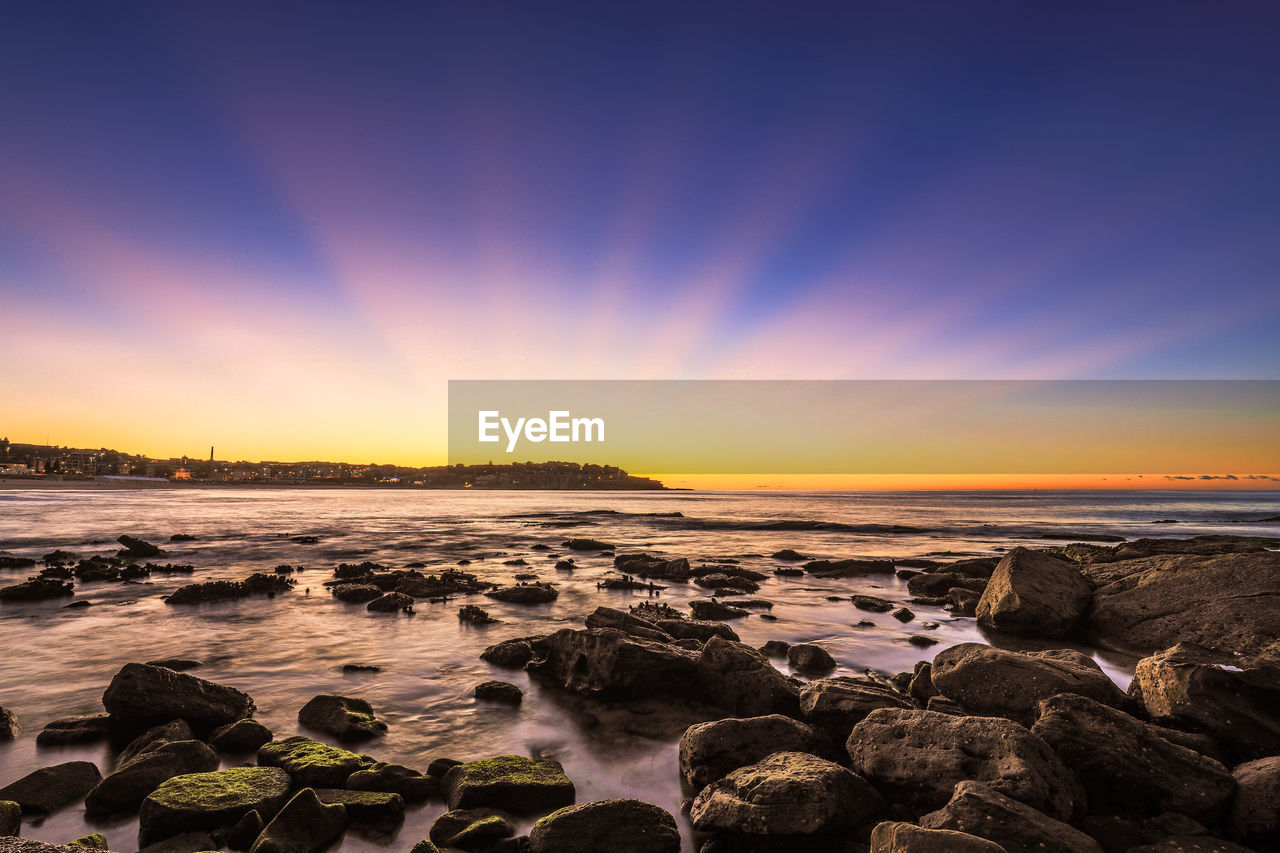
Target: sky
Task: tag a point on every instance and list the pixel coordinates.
(281, 228)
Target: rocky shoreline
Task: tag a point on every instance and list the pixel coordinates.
(980, 748)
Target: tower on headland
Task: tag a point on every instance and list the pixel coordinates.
(211, 453)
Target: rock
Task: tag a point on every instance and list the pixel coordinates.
(934, 584)
(304, 825)
(898, 837)
(587, 545)
(124, 790)
(146, 695)
(807, 657)
(209, 801)
(343, 717)
(245, 832)
(1236, 699)
(9, 727)
(696, 629)
(137, 548)
(872, 603)
(609, 664)
(30, 845)
(356, 593)
(512, 654)
(1255, 813)
(170, 732)
(312, 763)
(710, 751)
(788, 554)
(618, 826)
(993, 682)
(473, 615)
(528, 593)
(921, 686)
(964, 602)
(411, 785)
(499, 691)
(92, 841)
(37, 589)
(978, 810)
(50, 788)
(722, 581)
(88, 728)
(774, 649)
(1191, 844)
(788, 793)
(715, 610)
(853, 568)
(392, 602)
(607, 617)
(513, 783)
(646, 566)
(425, 846)
(10, 818)
(836, 705)
(187, 842)
(368, 806)
(1033, 594)
(1126, 767)
(240, 736)
(915, 758)
(471, 829)
(902, 614)
(739, 679)
(1230, 602)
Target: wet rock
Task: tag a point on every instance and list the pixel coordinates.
(915, 758)
(439, 587)
(964, 602)
(312, 763)
(9, 727)
(1191, 844)
(135, 548)
(392, 602)
(1034, 594)
(8, 561)
(710, 751)
(1126, 767)
(176, 664)
(240, 736)
(424, 846)
(872, 603)
(607, 663)
(587, 545)
(608, 617)
(788, 554)
(720, 581)
(124, 790)
(647, 566)
(836, 705)
(512, 654)
(10, 818)
(304, 825)
(411, 785)
(1236, 699)
(92, 841)
(181, 537)
(30, 845)
(1255, 813)
(902, 614)
(149, 695)
(994, 682)
(529, 593)
(978, 810)
(170, 732)
(920, 688)
(245, 832)
(50, 788)
(37, 589)
(512, 783)
(619, 826)
(209, 801)
(786, 794)
(209, 591)
(471, 829)
(738, 678)
(475, 616)
(898, 837)
(696, 629)
(774, 649)
(807, 657)
(715, 610)
(343, 717)
(368, 806)
(499, 691)
(849, 568)
(356, 593)
(187, 842)
(88, 728)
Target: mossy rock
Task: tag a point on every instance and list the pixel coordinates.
(313, 763)
(211, 800)
(93, 841)
(471, 829)
(363, 805)
(513, 783)
(620, 826)
(413, 786)
(304, 824)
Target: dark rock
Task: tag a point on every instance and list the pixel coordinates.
(720, 581)
(899, 837)
(181, 537)
(356, 593)
(512, 654)
(37, 589)
(807, 657)
(786, 794)
(1255, 812)
(646, 566)
(150, 695)
(921, 688)
(915, 758)
(209, 591)
(245, 832)
(608, 617)
(474, 615)
(440, 766)
(853, 568)
(392, 602)
(902, 614)
(209, 801)
(312, 763)
(343, 717)
(411, 785)
(9, 727)
(240, 736)
(124, 790)
(618, 826)
(187, 842)
(1034, 594)
(696, 629)
(872, 603)
(710, 751)
(1126, 767)
(135, 548)
(739, 679)
(607, 663)
(836, 705)
(10, 818)
(88, 728)
(920, 641)
(50, 788)
(587, 545)
(471, 829)
(368, 806)
(964, 602)
(978, 810)
(530, 593)
(304, 825)
(512, 783)
(92, 841)
(715, 610)
(1191, 844)
(774, 649)
(1235, 699)
(499, 691)
(993, 682)
(170, 732)
(30, 845)
(424, 846)
(8, 561)
(788, 554)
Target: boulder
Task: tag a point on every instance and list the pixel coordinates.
(86, 728)
(411, 785)
(170, 732)
(852, 568)
(710, 751)
(1255, 813)
(240, 736)
(30, 845)
(915, 758)
(587, 545)
(836, 705)
(993, 682)
(9, 727)
(621, 620)
(696, 629)
(210, 801)
(392, 602)
(304, 825)
(499, 691)
(245, 831)
(786, 794)
(312, 763)
(978, 810)
(1191, 844)
(356, 593)
(1234, 698)
(37, 589)
(92, 841)
(714, 610)
(48, 789)
(873, 603)
(648, 566)
(145, 695)
(1032, 593)
(10, 818)
(898, 837)
(737, 678)
(343, 717)
(513, 783)
(807, 657)
(187, 842)
(1227, 602)
(607, 663)
(527, 593)
(512, 654)
(618, 826)
(137, 548)
(471, 829)
(1126, 767)
(424, 846)
(124, 790)
(368, 806)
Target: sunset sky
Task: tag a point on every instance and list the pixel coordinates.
(281, 228)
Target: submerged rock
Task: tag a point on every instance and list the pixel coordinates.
(618, 826)
(209, 801)
(392, 602)
(475, 616)
(899, 837)
(48, 789)
(512, 783)
(137, 548)
(312, 763)
(499, 691)
(148, 695)
(344, 717)
(529, 593)
(873, 603)
(1034, 594)
(124, 790)
(978, 810)
(304, 825)
(356, 593)
(710, 751)
(88, 728)
(37, 589)
(587, 545)
(715, 610)
(852, 568)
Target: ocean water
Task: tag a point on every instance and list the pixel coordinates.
(56, 662)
